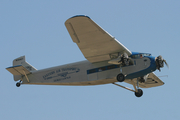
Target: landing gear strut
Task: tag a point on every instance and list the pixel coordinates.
(138, 92)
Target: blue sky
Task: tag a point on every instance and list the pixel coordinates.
(36, 29)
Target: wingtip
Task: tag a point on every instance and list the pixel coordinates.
(80, 16)
(76, 16)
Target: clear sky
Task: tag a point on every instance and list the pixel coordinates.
(35, 28)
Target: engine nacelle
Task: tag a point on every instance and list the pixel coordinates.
(122, 60)
(115, 61)
(143, 79)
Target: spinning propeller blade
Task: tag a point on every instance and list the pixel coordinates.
(160, 62)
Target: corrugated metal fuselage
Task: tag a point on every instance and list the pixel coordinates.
(86, 73)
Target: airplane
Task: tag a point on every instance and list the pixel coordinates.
(108, 61)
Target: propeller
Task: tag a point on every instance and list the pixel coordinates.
(160, 62)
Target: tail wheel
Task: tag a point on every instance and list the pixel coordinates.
(18, 84)
(120, 77)
(139, 93)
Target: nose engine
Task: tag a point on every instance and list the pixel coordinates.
(160, 62)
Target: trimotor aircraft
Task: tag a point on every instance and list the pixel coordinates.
(108, 61)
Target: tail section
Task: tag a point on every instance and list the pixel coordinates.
(20, 67)
(22, 61)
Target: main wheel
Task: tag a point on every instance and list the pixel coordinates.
(139, 93)
(18, 84)
(120, 77)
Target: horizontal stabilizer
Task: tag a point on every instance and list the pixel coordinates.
(18, 70)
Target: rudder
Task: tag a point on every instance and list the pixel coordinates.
(22, 61)
(16, 69)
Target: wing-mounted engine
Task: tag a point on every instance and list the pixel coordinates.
(122, 60)
(143, 79)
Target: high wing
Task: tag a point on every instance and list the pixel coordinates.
(152, 81)
(95, 43)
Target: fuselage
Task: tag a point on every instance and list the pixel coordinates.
(86, 73)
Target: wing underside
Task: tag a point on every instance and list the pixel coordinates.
(152, 81)
(94, 42)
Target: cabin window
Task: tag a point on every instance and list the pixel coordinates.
(112, 67)
(92, 71)
(95, 70)
(102, 68)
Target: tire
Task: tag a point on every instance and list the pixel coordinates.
(139, 93)
(120, 77)
(18, 84)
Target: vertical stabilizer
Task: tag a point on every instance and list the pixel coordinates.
(20, 68)
(22, 61)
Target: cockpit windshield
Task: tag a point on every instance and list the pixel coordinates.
(146, 54)
(140, 55)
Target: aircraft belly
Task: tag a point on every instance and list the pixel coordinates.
(85, 83)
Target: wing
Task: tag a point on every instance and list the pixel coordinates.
(94, 42)
(152, 81)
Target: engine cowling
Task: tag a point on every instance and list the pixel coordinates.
(122, 60)
(160, 62)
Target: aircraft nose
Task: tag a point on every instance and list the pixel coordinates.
(160, 62)
(153, 63)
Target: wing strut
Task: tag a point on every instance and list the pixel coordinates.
(26, 76)
(124, 87)
(18, 84)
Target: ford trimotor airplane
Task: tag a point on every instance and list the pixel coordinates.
(108, 61)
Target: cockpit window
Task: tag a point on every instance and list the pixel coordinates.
(146, 54)
(140, 55)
